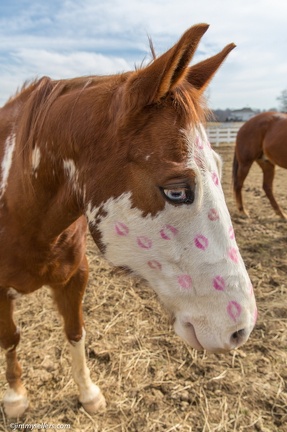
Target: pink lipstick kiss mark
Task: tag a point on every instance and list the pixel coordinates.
(219, 283)
(168, 232)
(121, 229)
(215, 178)
(199, 143)
(233, 255)
(184, 281)
(155, 265)
(234, 310)
(144, 242)
(201, 242)
(213, 214)
(231, 233)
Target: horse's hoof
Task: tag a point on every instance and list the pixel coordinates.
(244, 214)
(15, 404)
(95, 405)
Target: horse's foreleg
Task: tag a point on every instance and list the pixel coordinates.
(69, 301)
(90, 394)
(241, 175)
(268, 176)
(15, 398)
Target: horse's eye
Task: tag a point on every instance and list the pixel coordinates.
(178, 195)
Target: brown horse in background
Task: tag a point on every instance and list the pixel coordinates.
(263, 139)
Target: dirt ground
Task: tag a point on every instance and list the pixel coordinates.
(153, 381)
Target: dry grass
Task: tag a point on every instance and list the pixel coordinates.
(151, 379)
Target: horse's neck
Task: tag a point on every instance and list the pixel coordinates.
(41, 186)
(46, 180)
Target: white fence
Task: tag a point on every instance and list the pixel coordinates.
(222, 133)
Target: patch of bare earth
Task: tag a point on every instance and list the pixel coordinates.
(152, 381)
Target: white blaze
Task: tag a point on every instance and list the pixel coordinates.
(188, 253)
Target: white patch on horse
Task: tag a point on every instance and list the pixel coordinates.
(186, 253)
(7, 162)
(12, 396)
(36, 157)
(70, 169)
(73, 176)
(15, 402)
(91, 213)
(81, 374)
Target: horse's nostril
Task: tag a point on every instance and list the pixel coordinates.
(238, 337)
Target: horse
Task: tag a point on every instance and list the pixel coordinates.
(262, 139)
(126, 157)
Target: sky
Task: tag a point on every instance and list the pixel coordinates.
(68, 38)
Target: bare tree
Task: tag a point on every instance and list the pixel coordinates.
(283, 101)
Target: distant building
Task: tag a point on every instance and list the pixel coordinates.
(241, 115)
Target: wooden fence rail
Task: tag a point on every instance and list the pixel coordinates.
(222, 133)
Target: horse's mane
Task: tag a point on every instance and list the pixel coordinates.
(40, 94)
(26, 85)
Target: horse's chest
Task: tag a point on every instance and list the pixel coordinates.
(26, 266)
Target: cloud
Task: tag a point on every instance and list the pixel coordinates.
(71, 64)
(70, 38)
(31, 63)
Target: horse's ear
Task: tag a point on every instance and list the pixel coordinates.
(201, 74)
(152, 83)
